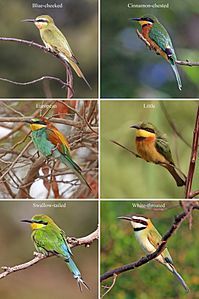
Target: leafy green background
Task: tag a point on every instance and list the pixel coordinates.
(129, 69)
(50, 278)
(152, 280)
(78, 22)
(123, 175)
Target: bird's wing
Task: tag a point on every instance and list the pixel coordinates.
(58, 139)
(163, 148)
(161, 37)
(60, 43)
(52, 241)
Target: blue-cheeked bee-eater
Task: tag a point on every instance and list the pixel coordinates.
(54, 40)
(149, 239)
(159, 40)
(50, 142)
(153, 146)
(48, 238)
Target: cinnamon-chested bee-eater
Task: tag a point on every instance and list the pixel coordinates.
(51, 143)
(153, 146)
(149, 239)
(54, 40)
(159, 40)
(48, 239)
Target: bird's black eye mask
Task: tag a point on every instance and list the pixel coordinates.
(147, 19)
(149, 130)
(39, 122)
(41, 21)
(40, 222)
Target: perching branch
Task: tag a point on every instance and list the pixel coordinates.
(179, 62)
(176, 224)
(69, 75)
(193, 159)
(38, 256)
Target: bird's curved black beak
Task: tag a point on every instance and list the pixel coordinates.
(28, 20)
(27, 221)
(125, 218)
(135, 127)
(135, 19)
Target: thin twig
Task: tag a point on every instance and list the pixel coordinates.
(64, 84)
(111, 286)
(130, 151)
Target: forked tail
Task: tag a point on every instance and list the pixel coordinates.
(174, 67)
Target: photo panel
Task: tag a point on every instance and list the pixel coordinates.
(130, 230)
(129, 30)
(45, 49)
(146, 147)
(51, 276)
(49, 149)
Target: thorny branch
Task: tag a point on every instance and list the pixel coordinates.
(179, 62)
(87, 240)
(176, 224)
(69, 75)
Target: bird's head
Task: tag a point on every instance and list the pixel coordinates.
(39, 221)
(41, 22)
(139, 222)
(145, 20)
(37, 123)
(145, 130)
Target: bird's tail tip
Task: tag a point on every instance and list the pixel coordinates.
(81, 283)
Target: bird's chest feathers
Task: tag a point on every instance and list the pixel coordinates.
(42, 143)
(146, 32)
(141, 237)
(146, 148)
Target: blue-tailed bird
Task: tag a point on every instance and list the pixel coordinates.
(48, 238)
(159, 40)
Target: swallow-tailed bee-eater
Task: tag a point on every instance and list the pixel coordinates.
(50, 142)
(153, 146)
(48, 238)
(159, 40)
(54, 40)
(149, 239)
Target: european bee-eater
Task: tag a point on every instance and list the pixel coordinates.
(51, 143)
(149, 239)
(54, 40)
(159, 40)
(153, 146)
(48, 238)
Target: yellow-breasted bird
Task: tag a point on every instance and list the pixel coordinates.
(51, 143)
(159, 40)
(153, 146)
(54, 40)
(149, 239)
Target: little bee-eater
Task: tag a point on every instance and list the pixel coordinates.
(159, 40)
(54, 40)
(149, 239)
(153, 146)
(51, 143)
(48, 238)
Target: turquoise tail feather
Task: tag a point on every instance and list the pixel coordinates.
(174, 67)
(76, 274)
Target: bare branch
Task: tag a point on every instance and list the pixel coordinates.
(130, 151)
(38, 256)
(193, 159)
(86, 241)
(177, 222)
(64, 84)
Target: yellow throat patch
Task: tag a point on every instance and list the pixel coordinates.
(37, 225)
(35, 127)
(144, 133)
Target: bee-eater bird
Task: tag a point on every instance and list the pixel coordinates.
(153, 146)
(149, 239)
(51, 143)
(54, 40)
(48, 238)
(159, 40)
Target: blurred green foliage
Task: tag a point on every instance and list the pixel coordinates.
(78, 22)
(152, 280)
(129, 69)
(124, 176)
(50, 278)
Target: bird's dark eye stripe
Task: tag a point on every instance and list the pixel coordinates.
(42, 21)
(140, 221)
(39, 122)
(41, 222)
(148, 19)
(149, 130)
